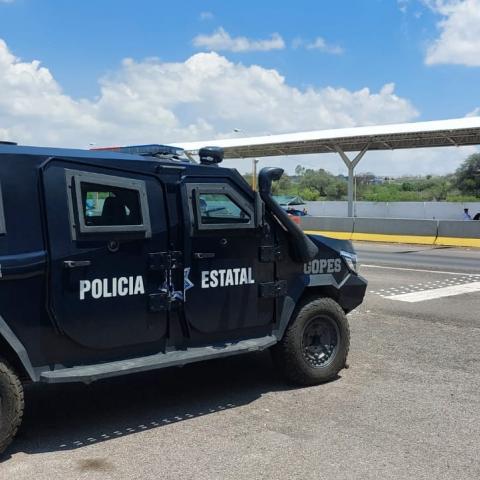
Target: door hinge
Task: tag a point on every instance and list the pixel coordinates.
(273, 289)
(270, 253)
(165, 260)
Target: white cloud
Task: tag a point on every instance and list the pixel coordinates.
(204, 97)
(220, 40)
(474, 113)
(320, 44)
(206, 16)
(459, 39)
(298, 42)
(403, 5)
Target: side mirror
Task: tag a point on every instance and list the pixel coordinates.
(211, 155)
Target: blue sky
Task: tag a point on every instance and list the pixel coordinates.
(342, 45)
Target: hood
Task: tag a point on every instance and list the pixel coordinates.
(333, 243)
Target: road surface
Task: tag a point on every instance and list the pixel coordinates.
(408, 406)
(449, 259)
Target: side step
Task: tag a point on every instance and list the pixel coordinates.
(174, 358)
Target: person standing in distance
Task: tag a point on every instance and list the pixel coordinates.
(466, 215)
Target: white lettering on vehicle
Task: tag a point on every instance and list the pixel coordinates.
(112, 287)
(323, 265)
(228, 277)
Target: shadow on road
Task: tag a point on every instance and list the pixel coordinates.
(66, 417)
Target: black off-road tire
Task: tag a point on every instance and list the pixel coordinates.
(11, 404)
(295, 361)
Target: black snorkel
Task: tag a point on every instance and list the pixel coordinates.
(303, 248)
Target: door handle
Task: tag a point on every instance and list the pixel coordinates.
(76, 263)
(201, 255)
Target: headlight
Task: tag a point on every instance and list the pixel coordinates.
(350, 259)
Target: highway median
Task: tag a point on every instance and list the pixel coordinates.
(396, 230)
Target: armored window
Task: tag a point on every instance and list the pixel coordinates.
(219, 206)
(108, 204)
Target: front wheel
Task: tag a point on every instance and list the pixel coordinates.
(315, 345)
(11, 404)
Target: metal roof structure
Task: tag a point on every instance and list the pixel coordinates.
(441, 133)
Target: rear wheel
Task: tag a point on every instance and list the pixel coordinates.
(315, 345)
(11, 404)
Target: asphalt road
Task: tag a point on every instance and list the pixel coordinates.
(449, 259)
(408, 406)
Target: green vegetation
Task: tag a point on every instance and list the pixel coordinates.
(468, 175)
(461, 186)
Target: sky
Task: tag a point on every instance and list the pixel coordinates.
(113, 72)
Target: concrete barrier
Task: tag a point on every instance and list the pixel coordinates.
(458, 233)
(327, 209)
(420, 210)
(335, 227)
(396, 226)
(396, 230)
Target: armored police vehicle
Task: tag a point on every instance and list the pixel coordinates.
(116, 262)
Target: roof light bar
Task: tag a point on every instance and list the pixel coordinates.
(146, 150)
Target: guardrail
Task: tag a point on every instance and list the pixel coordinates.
(396, 230)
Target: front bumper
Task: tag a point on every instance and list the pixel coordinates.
(352, 292)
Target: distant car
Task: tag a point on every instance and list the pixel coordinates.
(296, 213)
(288, 202)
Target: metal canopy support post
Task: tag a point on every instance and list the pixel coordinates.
(351, 164)
(254, 174)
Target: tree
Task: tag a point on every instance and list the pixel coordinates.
(408, 187)
(468, 175)
(282, 186)
(299, 170)
(336, 190)
(366, 178)
(316, 180)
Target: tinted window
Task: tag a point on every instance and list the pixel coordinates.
(219, 208)
(105, 205)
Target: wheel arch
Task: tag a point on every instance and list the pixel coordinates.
(291, 306)
(325, 291)
(13, 351)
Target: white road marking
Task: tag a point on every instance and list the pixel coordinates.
(435, 293)
(364, 265)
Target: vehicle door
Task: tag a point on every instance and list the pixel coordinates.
(225, 278)
(103, 226)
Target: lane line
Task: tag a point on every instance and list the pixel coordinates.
(364, 265)
(436, 293)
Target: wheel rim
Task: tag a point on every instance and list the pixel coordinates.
(320, 341)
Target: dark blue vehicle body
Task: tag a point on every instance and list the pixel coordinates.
(80, 301)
